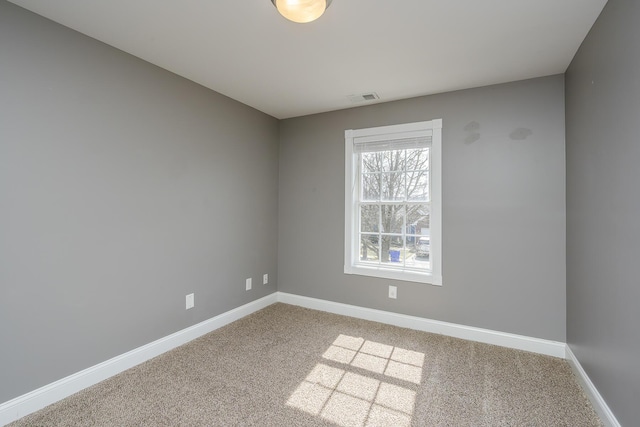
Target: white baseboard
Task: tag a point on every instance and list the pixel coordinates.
(519, 342)
(51, 393)
(592, 393)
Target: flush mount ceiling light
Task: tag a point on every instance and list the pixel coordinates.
(301, 11)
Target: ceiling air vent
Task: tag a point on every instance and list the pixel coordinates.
(365, 97)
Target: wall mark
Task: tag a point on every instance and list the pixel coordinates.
(472, 126)
(520, 134)
(474, 135)
(472, 138)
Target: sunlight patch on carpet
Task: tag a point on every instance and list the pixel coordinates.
(350, 398)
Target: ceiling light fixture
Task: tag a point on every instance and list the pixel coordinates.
(301, 11)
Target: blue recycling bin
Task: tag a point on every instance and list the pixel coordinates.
(394, 255)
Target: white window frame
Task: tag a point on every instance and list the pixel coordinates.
(352, 263)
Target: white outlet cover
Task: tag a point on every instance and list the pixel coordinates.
(265, 279)
(393, 292)
(248, 284)
(190, 300)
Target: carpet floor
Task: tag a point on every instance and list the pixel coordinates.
(290, 366)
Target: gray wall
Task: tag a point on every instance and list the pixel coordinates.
(122, 189)
(503, 208)
(603, 207)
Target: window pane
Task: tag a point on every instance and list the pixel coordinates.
(371, 162)
(418, 159)
(423, 247)
(369, 218)
(393, 251)
(371, 186)
(410, 242)
(417, 178)
(393, 186)
(385, 246)
(418, 219)
(369, 247)
(418, 185)
(393, 160)
(419, 248)
(392, 218)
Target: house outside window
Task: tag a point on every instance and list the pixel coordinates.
(393, 202)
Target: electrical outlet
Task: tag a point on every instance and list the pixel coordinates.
(248, 284)
(393, 292)
(190, 301)
(265, 279)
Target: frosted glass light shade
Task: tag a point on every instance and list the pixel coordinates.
(301, 11)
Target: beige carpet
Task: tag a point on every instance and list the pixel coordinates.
(290, 366)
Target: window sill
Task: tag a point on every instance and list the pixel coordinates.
(389, 273)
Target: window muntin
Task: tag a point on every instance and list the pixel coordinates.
(392, 199)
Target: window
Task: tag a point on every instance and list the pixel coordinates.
(393, 198)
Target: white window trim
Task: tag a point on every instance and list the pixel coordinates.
(351, 265)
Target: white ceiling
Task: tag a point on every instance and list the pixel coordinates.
(397, 48)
